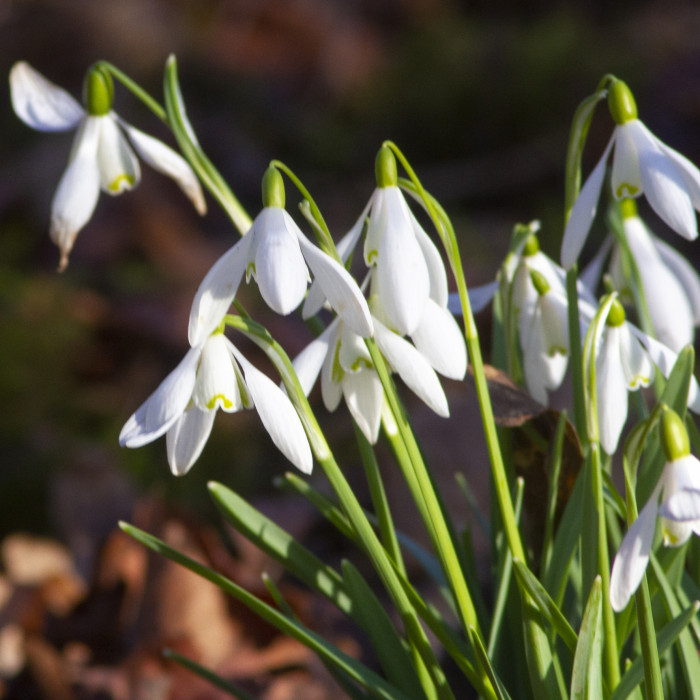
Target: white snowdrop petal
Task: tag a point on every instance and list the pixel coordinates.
(364, 397)
(165, 160)
(682, 506)
(167, 403)
(439, 339)
(684, 272)
(436, 267)
(611, 389)
(217, 384)
(583, 212)
(41, 104)
(186, 439)
(625, 177)
(308, 363)
(119, 167)
(633, 556)
(688, 171)
(413, 368)
(637, 367)
(339, 288)
(331, 390)
(217, 290)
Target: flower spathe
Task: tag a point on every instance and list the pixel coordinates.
(676, 499)
(642, 164)
(101, 158)
(276, 253)
(214, 375)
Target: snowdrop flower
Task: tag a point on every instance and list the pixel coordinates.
(276, 253)
(622, 365)
(670, 284)
(641, 165)
(676, 499)
(214, 375)
(101, 158)
(544, 336)
(346, 369)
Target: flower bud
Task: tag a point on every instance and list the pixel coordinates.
(98, 91)
(616, 315)
(385, 168)
(621, 103)
(273, 188)
(540, 282)
(674, 436)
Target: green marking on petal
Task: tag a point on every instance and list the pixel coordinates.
(557, 350)
(371, 257)
(626, 190)
(639, 380)
(212, 403)
(337, 373)
(249, 271)
(121, 183)
(357, 364)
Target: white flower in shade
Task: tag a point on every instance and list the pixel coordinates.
(622, 365)
(214, 375)
(346, 369)
(641, 165)
(102, 155)
(276, 253)
(676, 499)
(669, 282)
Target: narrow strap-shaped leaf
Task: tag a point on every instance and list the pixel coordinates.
(528, 583)
(391, 652)
(367, 678)
(586, 676)
(484, 661)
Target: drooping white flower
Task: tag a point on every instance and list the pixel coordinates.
(622, 365)
(213, 375)
(676, 499)
(102, 155)
(670, 284)
(642, 164)
(276, 253)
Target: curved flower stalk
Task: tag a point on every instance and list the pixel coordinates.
(346, 368)
(642, 164)
(670, 285)
(102, 157)
(675, 500)
(213, 375)
(278, 256)
(622, 365)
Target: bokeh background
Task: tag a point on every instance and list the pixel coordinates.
(479, 95)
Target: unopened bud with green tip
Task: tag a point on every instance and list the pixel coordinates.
(385, 168)
(273, 194)
(674, 436)
(531, 247)
(540, 282)
(621, 103)
(616, 315)
(98, 91)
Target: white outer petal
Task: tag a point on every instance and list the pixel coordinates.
(165, 405)
(217, 384)
(583, 212)
(637, 367)
(307, 364)
(41, 104)
(78, 189)
(186, 439)
(439, 339)
(689, 172)
(633, 556)
(217, 290)
(165, 160)
(339, 288)
(625, 178)
(664, 186)
(682, 506)
(611, 388)
(684, 272)
(280, 270)
(364, 397)
(119, 167)
(413, 368)
(436, 267)
(331, 390)
(591, 274)
(278, 416)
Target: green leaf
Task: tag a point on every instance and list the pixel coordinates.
(531, 586)
(483, 660)
(586, 677)
(279, 544)
(391, 651)
(367, 678)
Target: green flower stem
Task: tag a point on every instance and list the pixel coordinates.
(135, 89)
(647, 632)
(610, 652)
(428, 502)
(184, 134)
(432, 676)
(379, 500)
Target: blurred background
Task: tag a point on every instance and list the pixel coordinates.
(478, 95)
